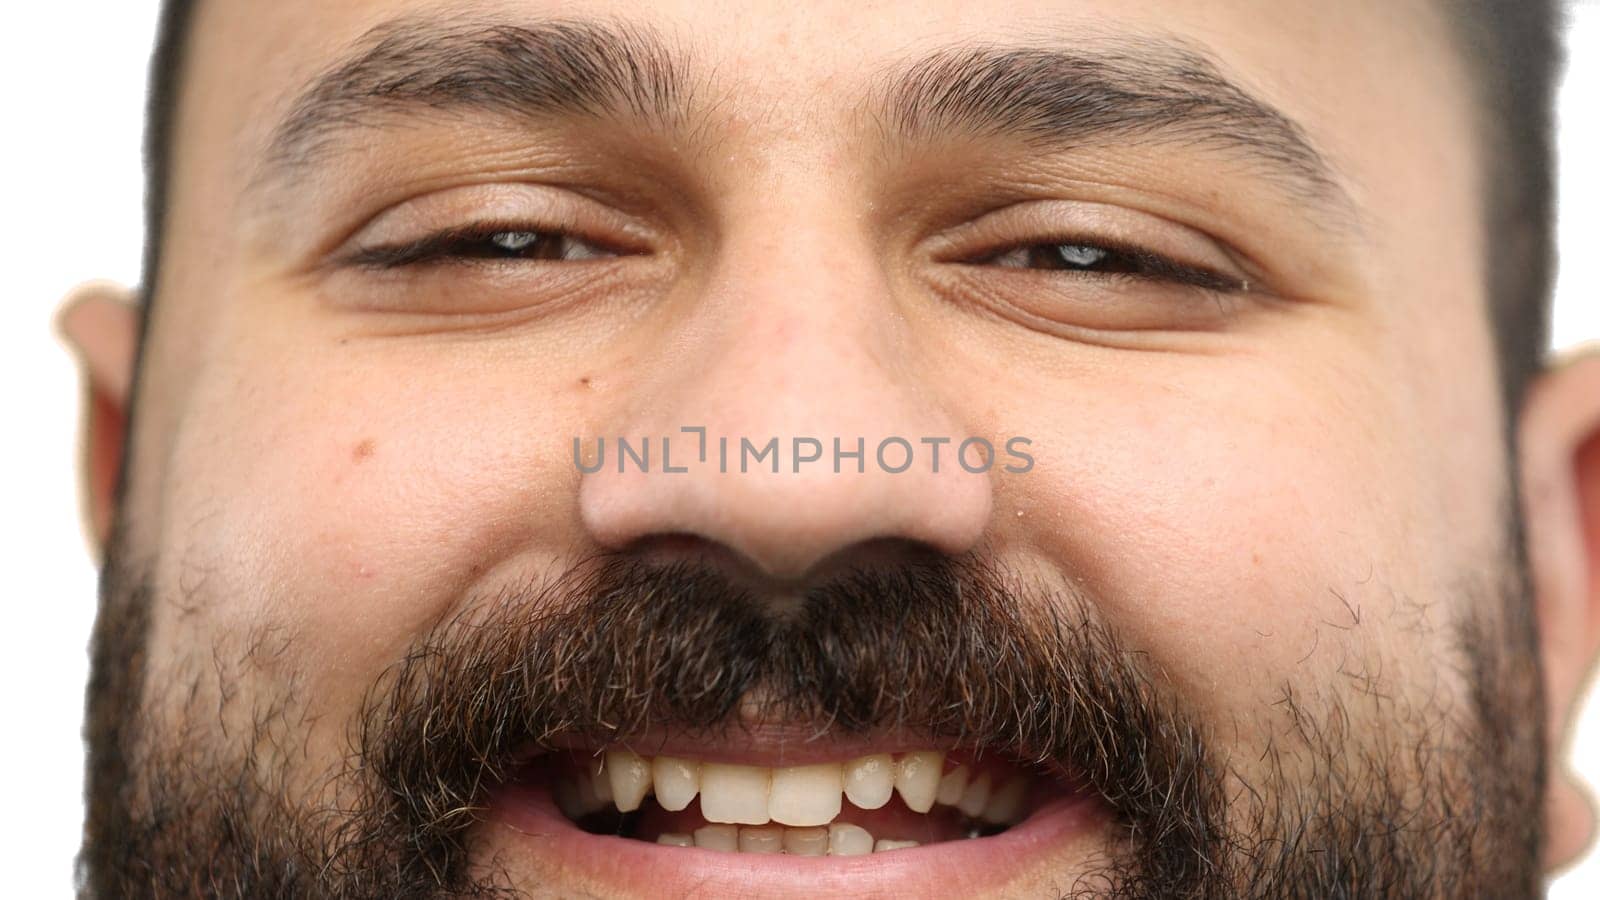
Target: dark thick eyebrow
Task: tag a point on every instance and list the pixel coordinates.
(1154, 90)
(1138, 90)
(585, 67)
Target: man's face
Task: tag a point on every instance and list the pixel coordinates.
(1231, 616)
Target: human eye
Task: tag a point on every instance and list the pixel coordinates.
(1104, 258)
(486, 242)
(1067, 267)
(505, 250)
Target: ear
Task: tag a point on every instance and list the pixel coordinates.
(100, 322)
(1560, 455)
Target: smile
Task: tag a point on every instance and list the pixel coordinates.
(794, 821)
(814, 810)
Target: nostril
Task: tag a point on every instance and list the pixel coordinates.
(703, 554)
(785, 524)
(670, 548)
(699, 553)
(887, 554)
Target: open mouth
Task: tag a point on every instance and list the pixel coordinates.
(775, 816)
(873, 803)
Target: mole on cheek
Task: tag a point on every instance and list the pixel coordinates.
(363, 450)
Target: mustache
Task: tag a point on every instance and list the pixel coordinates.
(621, 646)
(1449, 804)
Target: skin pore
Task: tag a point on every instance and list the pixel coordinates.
(351, 500)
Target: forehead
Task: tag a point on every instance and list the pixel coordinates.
(784, 43)
(784, 71)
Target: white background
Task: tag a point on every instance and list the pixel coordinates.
(73, 82)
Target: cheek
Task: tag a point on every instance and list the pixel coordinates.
(1223, 527)
(352, 505)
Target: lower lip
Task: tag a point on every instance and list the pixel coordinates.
(960, 868)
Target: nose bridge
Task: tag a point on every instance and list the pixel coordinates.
(792, 427)
(807, 334)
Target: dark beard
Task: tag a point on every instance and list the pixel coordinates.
(1447, 804)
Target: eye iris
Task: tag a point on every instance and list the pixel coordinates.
(1079, 256)
(515, 241)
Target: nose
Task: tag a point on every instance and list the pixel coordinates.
(786, 418)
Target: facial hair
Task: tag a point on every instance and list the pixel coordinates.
(1440, 805)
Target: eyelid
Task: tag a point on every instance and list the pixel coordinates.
(444, 245)
(501, 206)
(1034, 222)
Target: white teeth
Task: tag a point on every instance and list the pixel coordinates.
(951, 786)
(761, 840)
(869, 781)
(918, 779)
(976, 796)
(630, 778)
(804, 798)
(602, 781)
(717, 837)
(735, 794)
(835, 840)
(1005, 804)
(677, 781)
(805, 795)
(848, 840)
(805, 841)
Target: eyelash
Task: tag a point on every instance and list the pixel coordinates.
(1114, 260)
(478, 243)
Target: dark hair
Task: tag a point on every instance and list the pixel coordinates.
(1512, 48)
(161, 115)
(1513, 53)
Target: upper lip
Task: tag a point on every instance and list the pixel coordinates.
(780, 745)
(766, 745)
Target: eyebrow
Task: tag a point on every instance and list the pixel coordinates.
(571, 68)
(1138, 89)
(1146, 89)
